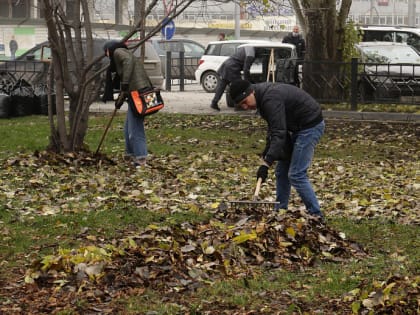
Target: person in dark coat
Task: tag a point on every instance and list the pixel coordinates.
(132, 76)
(13, 46)
(295, 126)
(296, 39)
(230, 70)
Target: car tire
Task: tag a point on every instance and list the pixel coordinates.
(209, 81)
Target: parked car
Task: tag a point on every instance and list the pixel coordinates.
(386, 33)
(192, 54)
(217, 52)
(390, 70)
(32, 66)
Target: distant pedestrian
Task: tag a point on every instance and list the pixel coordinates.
(221, 36)
(13, 46)
(296, 39)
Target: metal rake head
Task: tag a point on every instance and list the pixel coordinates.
(264, 205)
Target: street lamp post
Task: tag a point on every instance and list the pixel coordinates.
(237, 13)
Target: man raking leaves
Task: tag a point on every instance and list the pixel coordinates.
(295, 126)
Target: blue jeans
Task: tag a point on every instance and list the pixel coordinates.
(294, 172)
(135, 137)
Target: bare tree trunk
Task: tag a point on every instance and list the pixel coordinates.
(324, 45)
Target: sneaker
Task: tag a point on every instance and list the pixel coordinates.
(215, 106)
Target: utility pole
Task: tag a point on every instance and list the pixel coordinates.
(411, 13)
(371, 12)
(237, 13)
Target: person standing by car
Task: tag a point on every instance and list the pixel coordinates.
(13, 46)
(230, 70)
(295, 126)
(132, 77)
(296, 39)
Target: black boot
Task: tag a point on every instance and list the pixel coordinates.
(215, 106)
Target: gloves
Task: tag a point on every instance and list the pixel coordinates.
(120, 100)
(262, 172)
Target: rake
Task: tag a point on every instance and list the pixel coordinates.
(254, 204)
(105, 131)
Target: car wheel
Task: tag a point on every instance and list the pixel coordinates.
(209, 81)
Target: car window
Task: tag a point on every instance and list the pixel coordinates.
(41, 53)
(37, 54)
(399, 36)
(381, 36)
(212, 50)
(170, 46)
(46, 52)
(192, 48)
(228, 49)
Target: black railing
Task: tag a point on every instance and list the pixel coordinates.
(33, 72)
(179, 70)
(361, 83)
(352, 83)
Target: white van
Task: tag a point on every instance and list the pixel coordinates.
(399, 34)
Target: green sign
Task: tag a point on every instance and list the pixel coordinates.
(24, 30)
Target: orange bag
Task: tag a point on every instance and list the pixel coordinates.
(146, 102)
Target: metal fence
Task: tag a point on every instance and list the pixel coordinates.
(352, 83)
(179, 70)
(361, 83)
(33, 72)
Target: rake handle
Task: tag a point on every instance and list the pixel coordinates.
(105, 132)
(257, 189)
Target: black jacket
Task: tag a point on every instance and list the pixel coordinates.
(230, 70)
(287, 109)
(298, 41)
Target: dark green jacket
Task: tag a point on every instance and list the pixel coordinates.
(130, 69)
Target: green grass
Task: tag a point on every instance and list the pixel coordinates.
(393, 247)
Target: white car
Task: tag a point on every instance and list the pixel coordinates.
(391, 70)
(215, 54)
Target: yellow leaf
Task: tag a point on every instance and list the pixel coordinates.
(243, 237)
(388, 289)
(91, 237)
(209, 250)
(355, 307)
(155, 199)
(285, 244)
(215, 205)
(132, 243)
(291, 232)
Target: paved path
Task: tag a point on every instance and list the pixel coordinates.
(194, 100)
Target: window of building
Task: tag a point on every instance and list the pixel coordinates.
(20, 8)
(4, 8)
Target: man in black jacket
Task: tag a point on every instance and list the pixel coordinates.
(296, 39)
(230, 70)
(295, 126)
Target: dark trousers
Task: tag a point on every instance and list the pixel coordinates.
(220, 89)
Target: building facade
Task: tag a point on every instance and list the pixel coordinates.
(23, 19)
